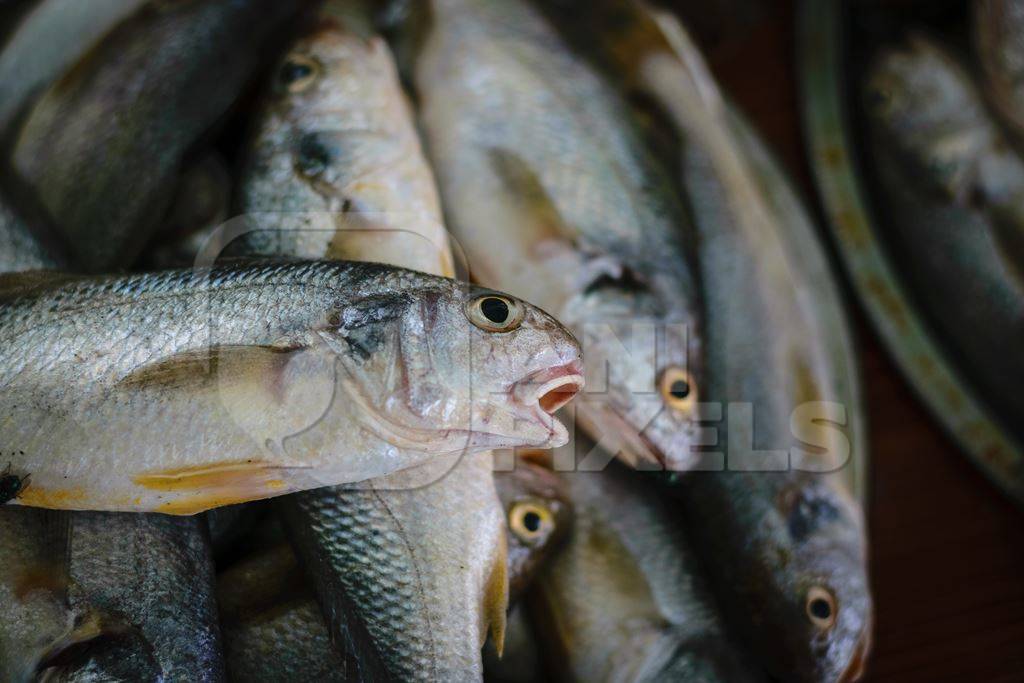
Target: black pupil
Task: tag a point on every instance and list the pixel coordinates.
(679, 389)
(531, 521)
(494, 310)
(821, 609)
(293, 71)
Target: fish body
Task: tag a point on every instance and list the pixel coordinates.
(185, 390)
(68, 29)
(336, 169)
(536, 153)
(273, 628)
(147, 582)
(955, 188)
(20, 250)
(625, 600)
(165, 74)
(437, 581)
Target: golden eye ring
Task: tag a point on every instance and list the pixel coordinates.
(678, 389)
(298, 73)
(530, 522)
(495, 312)
(821, 608)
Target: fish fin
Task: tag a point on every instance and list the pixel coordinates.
(544, 224)
(199, 365)
(204, 487)
(495, 607)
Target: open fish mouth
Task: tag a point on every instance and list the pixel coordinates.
(549, 389)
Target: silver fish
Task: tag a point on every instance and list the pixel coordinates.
(780, 525)
(336, 170)
(249, 381)
(625, 600)
(393, 558)
(165, 75)
(273, 628)
(954, 185)
(536, 153)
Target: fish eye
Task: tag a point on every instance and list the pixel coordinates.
(298, 73)
(494, 313)
(678, 389)
(530, 522)
(821, 607)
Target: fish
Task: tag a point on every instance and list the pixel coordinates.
(930, 110)
(538, 515)
(997, 26)
(520, 660)
(536, 152)
(166, 74)
(626, 600)
(952, 183)
(336, 170)
(146, 584)
(68, 29)
(769, 509)
(33, 590)
(251, 380)
(416, 561)
(273, 628)
(787, 539)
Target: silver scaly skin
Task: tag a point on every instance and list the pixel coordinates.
(625, 600)
(249, 381)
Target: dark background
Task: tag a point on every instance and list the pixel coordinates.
(947, 549)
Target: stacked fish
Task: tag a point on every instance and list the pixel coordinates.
(946, 128)
(283, 324)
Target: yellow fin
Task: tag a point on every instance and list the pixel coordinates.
(214, 485)
(495, 606)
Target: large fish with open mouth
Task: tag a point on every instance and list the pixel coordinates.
(625, 600)
(536, 153)
(779, 526)
(144, 95)
(955, 188)
(185, 390)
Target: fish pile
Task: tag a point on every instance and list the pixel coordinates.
(945, 128)
(291, 294)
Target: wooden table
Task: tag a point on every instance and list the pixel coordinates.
(947, 550)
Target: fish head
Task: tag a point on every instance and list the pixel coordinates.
(453, 367)
(643, 371)
(538, 514)
(822, 601)
(920, 99)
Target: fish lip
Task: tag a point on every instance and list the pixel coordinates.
(857, 665)
(539, 389)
